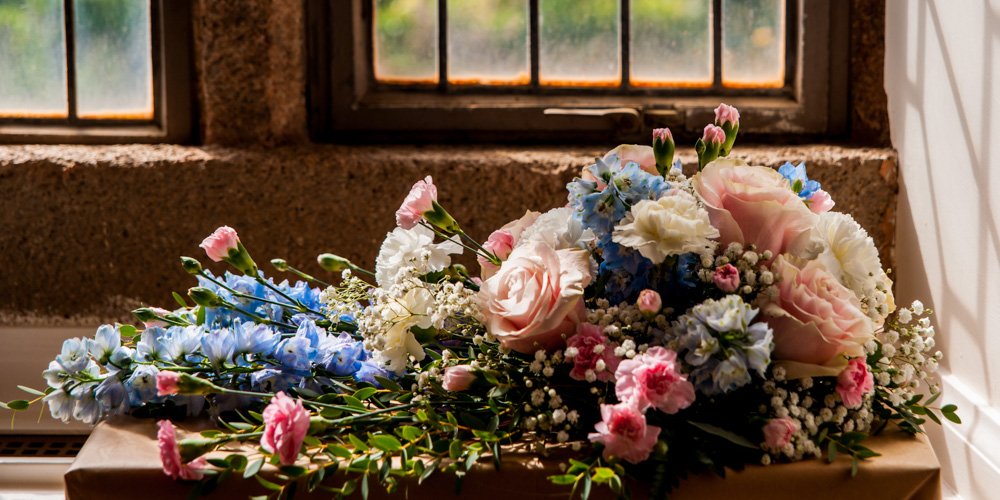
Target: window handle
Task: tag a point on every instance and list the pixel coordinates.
(625, 119)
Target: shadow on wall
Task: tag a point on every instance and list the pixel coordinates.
(948, 242)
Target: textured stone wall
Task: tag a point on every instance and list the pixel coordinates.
(90, 232)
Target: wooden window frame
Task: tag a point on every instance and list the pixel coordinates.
(347, 105)
(173, 115)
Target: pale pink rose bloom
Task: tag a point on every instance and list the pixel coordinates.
(726, 114)
(663, 134)
(727, 278)
(753, 205)
(536, 297)
(170, 455)
(458, 378)
(818, 323)
(588, 337)
(502, 241)
(624, 433)
(219, 244)
(713, 135)
(820, 202)
(854, 382)
(166, 383)
(418, 201)
(649, 302)
(778, 432)
(654, 379)
(285, 425)
(157, 322)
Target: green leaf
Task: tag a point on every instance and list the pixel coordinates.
(311, 441)
(411, 433)
(365, 393)
(603, 474)
(428, 471)
(179, 299)
(932, 416)
(953, 417)
(17, 405)
(353, 402)
(36, 392)
(563, 480)
(127, 331)
(211, 433)
(724, 434)
(253, 468)
(385, 442)
(944, 409)
(358, 443)
(854, 467)
(293, 470)
(267, 484)
(218, 462)
(932, 399)
(339, 451)
(388, 384)
(831, 451)
(200, 315)
(236, 461)
(455, 449)
(585, 493)
(364, 487)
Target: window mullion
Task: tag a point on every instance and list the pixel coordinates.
(717, 44)
(533, 41)
(70, 39)
(443, 44)
(626, 40)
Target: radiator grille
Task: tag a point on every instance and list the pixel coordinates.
(41, 446)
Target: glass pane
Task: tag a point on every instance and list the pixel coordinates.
(578, 42)
(32, 59)
(406, 41)
(753, 33)
(671, 43)
(114, 67)
(488, 42)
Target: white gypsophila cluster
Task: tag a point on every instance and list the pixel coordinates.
(810, 406)
(909, 358)
(755, 276)
(403, 248)
(546, 412)
(346, 298)
(851, 256)
(627, 326)
(674, 224)
(559, 229)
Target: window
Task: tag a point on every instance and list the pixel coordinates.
(572, 69)
(94, 71)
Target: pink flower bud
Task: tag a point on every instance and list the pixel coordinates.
(286, 422)
(727, 278)
(649, 302)
(159, 311)
(854, 382)
(166, 383)
(458, 378)
(714, 135)
(778, 432)
(221, 243)
(419, 201)
(820, 202)
(726, 114)
(663, 134)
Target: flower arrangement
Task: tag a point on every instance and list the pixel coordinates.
(658, 324)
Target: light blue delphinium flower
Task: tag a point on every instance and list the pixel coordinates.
(73, 357)
(183, 342)
(55, 375)
(798, 181)
(121, 359)
(341, 355)
(603, 203)
(111, 395)
(85, 407)
(218, 347)
(151, 346)
(369, 370)
(105, 341)
(298, 353)
(254, 338)
(273, 380)
(625, 272)
(60, 405)
(141, 385)
(730, 374)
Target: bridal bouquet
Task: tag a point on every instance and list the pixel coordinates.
(658, 325)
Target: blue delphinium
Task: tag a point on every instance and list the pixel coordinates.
(152, 345)
(218, 347)
(297, 353)
(141, 385)
(797, 179)
(719, 341)
(253, 339)
(105, 341)
(625, 273)
(341, 355)
(73, 357)
(601, 204)
(369, 370)
(182, 343)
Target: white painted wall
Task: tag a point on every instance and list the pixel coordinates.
(942, 77)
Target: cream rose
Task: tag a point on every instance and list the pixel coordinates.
(818, 323)
(672, 225)
(535, 297)
(754, 205)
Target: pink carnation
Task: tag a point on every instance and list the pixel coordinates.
(586, 341)
(727, 278)
(170, 455)
(726, 114)
(285, 425)
(221, 243)
(458, 378)
(713, 135)
(654, 379)
(649, 302)
(663, 134)
(820, 202)
(854, 382)
(420, 200)
(624, 433)
(778, 432)
(166, 383)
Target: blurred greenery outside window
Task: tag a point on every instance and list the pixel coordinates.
(94, 71)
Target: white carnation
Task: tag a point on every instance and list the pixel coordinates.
(852, 258)
(559, 229)
(672, 225)
(397, 342)
(412, 248)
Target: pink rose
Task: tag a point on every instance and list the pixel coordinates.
(727, 278)
(753, 205)
(854, 382)
(713, 134)
(536, 297)
(221, 243)
(624, 433)
(778, 432)
(170, 455)
(649, 302)
(820, 202)
(818, 323)
(726, 114)
(420, 200)
(586, 341)
(166, 383)
(654, 379)
(285, 425)
(502, 241)
(458, 378)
